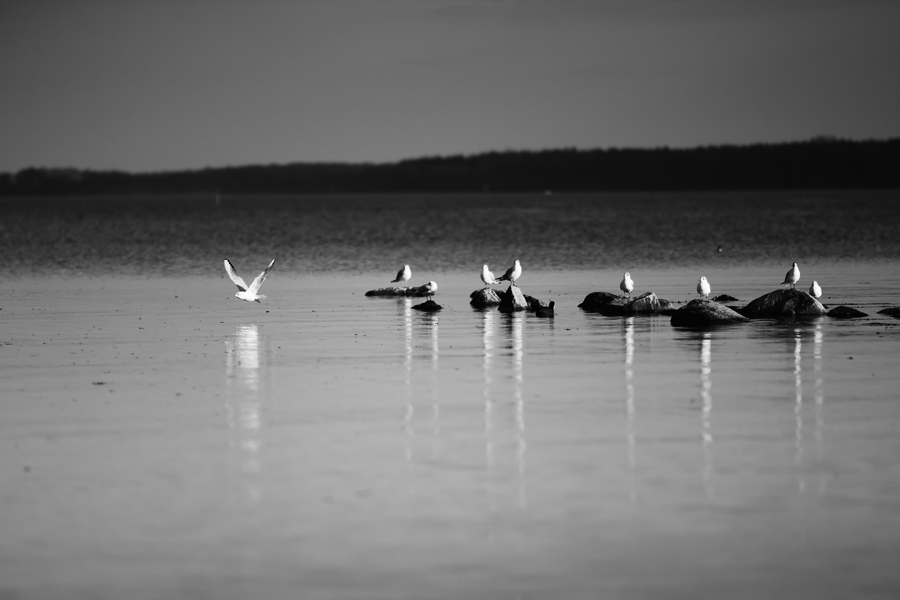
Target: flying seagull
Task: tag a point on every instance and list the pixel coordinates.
(512, 274)
(247, 293)
(627, 284)
(792, 276)
(403, 275)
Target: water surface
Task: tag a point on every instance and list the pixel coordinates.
(160, 438)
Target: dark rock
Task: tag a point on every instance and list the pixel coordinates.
(893, 311)
(614, 304)
(400, 291)
(784, 303)
(534, 304)
(545, 312)
(513, 300)
(724, 298)
(845, 312)
(428, 306)
(705, 313)
(484, 298)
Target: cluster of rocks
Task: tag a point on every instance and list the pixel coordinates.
(510, 301)
(785, 303)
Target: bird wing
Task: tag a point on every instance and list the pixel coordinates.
(508, 274)
(260, 278)
(399, 275)
(237, 279)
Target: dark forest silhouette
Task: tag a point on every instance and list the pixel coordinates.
(820, 163)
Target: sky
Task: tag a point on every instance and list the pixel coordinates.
(150, 85)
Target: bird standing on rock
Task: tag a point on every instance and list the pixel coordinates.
(703, 287)
(792, 276)
(627, 284)
(814, 290)
(429, 289)
(403, 275)
(487, 277)
(512, 274)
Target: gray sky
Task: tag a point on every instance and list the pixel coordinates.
(159, 84)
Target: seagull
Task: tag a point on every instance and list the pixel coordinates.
(792, 276)
(627, 284)
(247, 293)
(429, 289)
(814, 290)
(703, 287)
(403, 275)
(512, 274)
(487, 277)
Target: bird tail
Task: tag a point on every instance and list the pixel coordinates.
(260, 297)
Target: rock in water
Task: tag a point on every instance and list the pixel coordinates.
(705, 313)
(893, 311)
(484, 298)
(428, 306)
(513, 300)
(398, 291)
(845, 312)
(724, 298)
(613, 304)
(784, 303)
(534, 304)
(545, 312)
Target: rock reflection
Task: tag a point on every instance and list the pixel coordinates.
(487, 342)
(819, 387)
(406, 310)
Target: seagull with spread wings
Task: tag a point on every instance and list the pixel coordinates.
(246, 292)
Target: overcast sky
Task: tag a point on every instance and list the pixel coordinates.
(159, 84)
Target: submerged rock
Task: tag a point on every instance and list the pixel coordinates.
(893, 311)
(484, 298)
(784, 303)
(614, 304)
(845, 312)
(724, 298)
(705, 313)
(400, 291)
(513, 300)
(428, 306)
(545, 312)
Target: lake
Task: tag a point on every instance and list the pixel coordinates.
(162, 439)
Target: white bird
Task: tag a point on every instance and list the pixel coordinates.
(814, 290)
(703, 287)
(512, 274)
(403, 275)
(246, 292)
(792, 276)
(429, 289)
(487, 277)
(627, 284)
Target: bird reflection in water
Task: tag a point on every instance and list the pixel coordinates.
(819, 387)
(798, 399)
(429, 324)
(242, 409)
(629, 405)
(515, 345)
(706, 410)
(244, 417)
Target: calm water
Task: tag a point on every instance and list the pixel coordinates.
(160, 438)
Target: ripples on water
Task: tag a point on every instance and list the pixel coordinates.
(190, 235)
(162, 439)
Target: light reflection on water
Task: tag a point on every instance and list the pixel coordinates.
(588, 453)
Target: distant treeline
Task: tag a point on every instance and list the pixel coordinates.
(820, 163)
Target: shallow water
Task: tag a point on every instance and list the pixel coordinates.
(160, 438)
